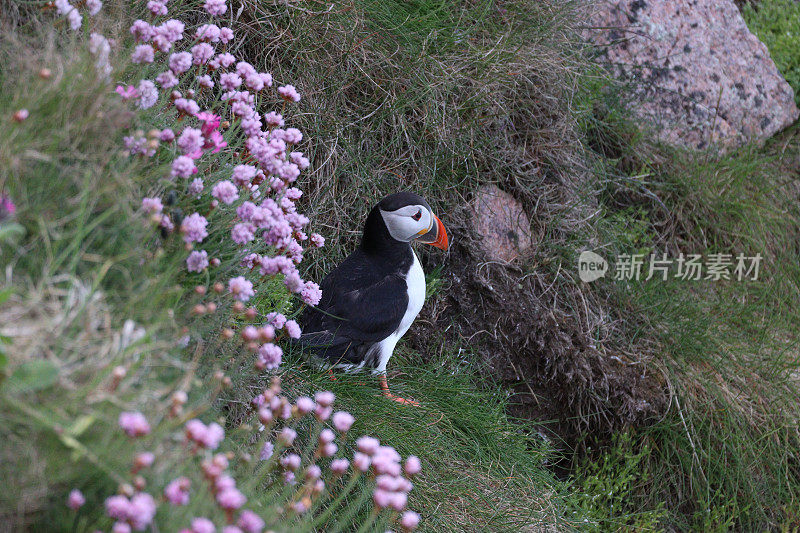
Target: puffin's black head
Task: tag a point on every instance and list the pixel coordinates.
(401, 218)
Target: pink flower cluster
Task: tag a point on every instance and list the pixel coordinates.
(258, 187)
(134, 424)
(136, 512)
(391, 476)
(205, 436)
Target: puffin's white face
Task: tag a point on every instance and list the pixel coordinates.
(408, 222)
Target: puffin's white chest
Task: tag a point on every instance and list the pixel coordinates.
(415, 285)
(415, 282)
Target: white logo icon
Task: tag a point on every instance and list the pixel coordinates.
(591, 266)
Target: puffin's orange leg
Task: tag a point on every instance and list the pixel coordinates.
(330, 373)
(385, 386)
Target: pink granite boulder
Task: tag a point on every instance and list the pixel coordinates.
(501, 223)
(695, 70)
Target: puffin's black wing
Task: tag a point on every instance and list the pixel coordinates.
(363, 302)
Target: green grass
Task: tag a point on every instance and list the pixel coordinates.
(777, 24)
(724, 455)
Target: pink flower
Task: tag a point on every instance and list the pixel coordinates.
(329, 449)
(242, 109)
(311, 293)
(243, 233)
(241, 288)
(210, 121)
(177, 491)
(202, 53)
(266, 451)
(342, 421)
(298, 159)
(194, 228)
(214, 142)
(225, 191)
(213, 437)
(326, 436)
(254, 82)
(398, 501)
(243, 174)
(413, 465)
(133, 423)
(207, 32)
(167, 79)
(152, 205)
(215, 7)
(75, 19)
(143, 53)
(270, 355)
(148, 94)
(361, 461)
(289, 93)
(318, 240)
(141, 510)
(273, 119)
(126, 92)
(183, 167)
(292, 136)
(304, 405)
(120, 527)
(290, 461)
(324, 398)
(250, 522)
(197, 261)
(143, 460)
(251, 125)
(313, 472)
(142, 31)
(180, 62)
(190, 141)
(187, 106)
(202, 525)
(225, 59)
(367, 445)
(339, 466)
(230, 81)
(381, 498)
(75, 500)
(231, 529)
(157, 7)
(409, 520)
(225, 35)
(205, 81)
(166, 135)
(230, 499)
(293, 329)
(94, 6)
(117, 507)
(277, 319)
(196, 186)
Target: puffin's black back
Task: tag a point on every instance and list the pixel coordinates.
(365, 297)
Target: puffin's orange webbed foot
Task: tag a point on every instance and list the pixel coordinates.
(330, 374)
(402, 401)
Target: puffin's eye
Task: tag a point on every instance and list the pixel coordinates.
(417, 215)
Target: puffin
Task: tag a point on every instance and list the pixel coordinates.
(371, 299)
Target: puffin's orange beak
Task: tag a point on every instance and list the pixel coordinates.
(436, 236)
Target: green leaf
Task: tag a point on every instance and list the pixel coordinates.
(81, 425)
(11, 232)
(5, 294)
(33, 376)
